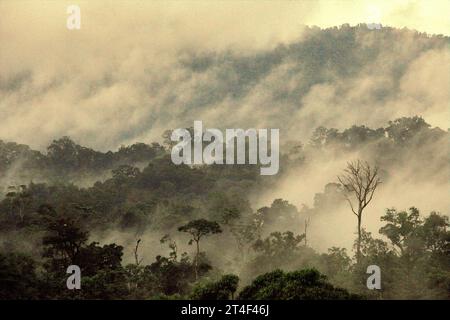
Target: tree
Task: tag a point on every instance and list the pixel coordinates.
(403, 129)
(436, 234)
(360, 181)
(418, 268)
(199, 229)
(94, 258)
(170, 277)
(223, 289)
(134, 271)
(374, 252)
(413, 236)
(402, 228)
(124, 172)
(281, 215)
(19, 198)
(336, 261)
(18, 278)
(307, 284)
(280, 250)
(279, 244)
(63, 242)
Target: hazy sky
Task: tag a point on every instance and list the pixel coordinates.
(102, 85)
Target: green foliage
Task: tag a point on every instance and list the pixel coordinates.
(63, 243)
(223, 289)
(404, 129)
(280, 250)
(96, 258)
(147, 193)
(200, 228)
(279, 244)
(281, 214)
(337, 261)
(422, 266)
(18, 279)
(402, 229)
(106, 284)
(168, 276)
(306, 284)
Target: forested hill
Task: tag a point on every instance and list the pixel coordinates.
(66, 161)
(138, 187)
(162, 202)
(334, 77)
(347, 100)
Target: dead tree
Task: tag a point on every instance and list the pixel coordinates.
(360, 181)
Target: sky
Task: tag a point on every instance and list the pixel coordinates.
(103, 84)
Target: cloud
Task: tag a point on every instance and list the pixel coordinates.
(121, 78)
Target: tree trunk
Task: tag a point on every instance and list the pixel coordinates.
(358, 245)
(196, 259)
(21, 215)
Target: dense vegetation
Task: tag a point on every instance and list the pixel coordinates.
(49, 224)
(141, 227)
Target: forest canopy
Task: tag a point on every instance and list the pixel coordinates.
(49, 225)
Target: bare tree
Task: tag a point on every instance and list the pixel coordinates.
(134, 271)
(360, 180)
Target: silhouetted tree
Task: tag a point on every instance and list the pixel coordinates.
(199, 229)
(360, 181)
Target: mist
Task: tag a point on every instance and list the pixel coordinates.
(85, 116)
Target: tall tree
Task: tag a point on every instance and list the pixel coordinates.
(360, 181)
(63, 242)
(198, 229)
(19, 197)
